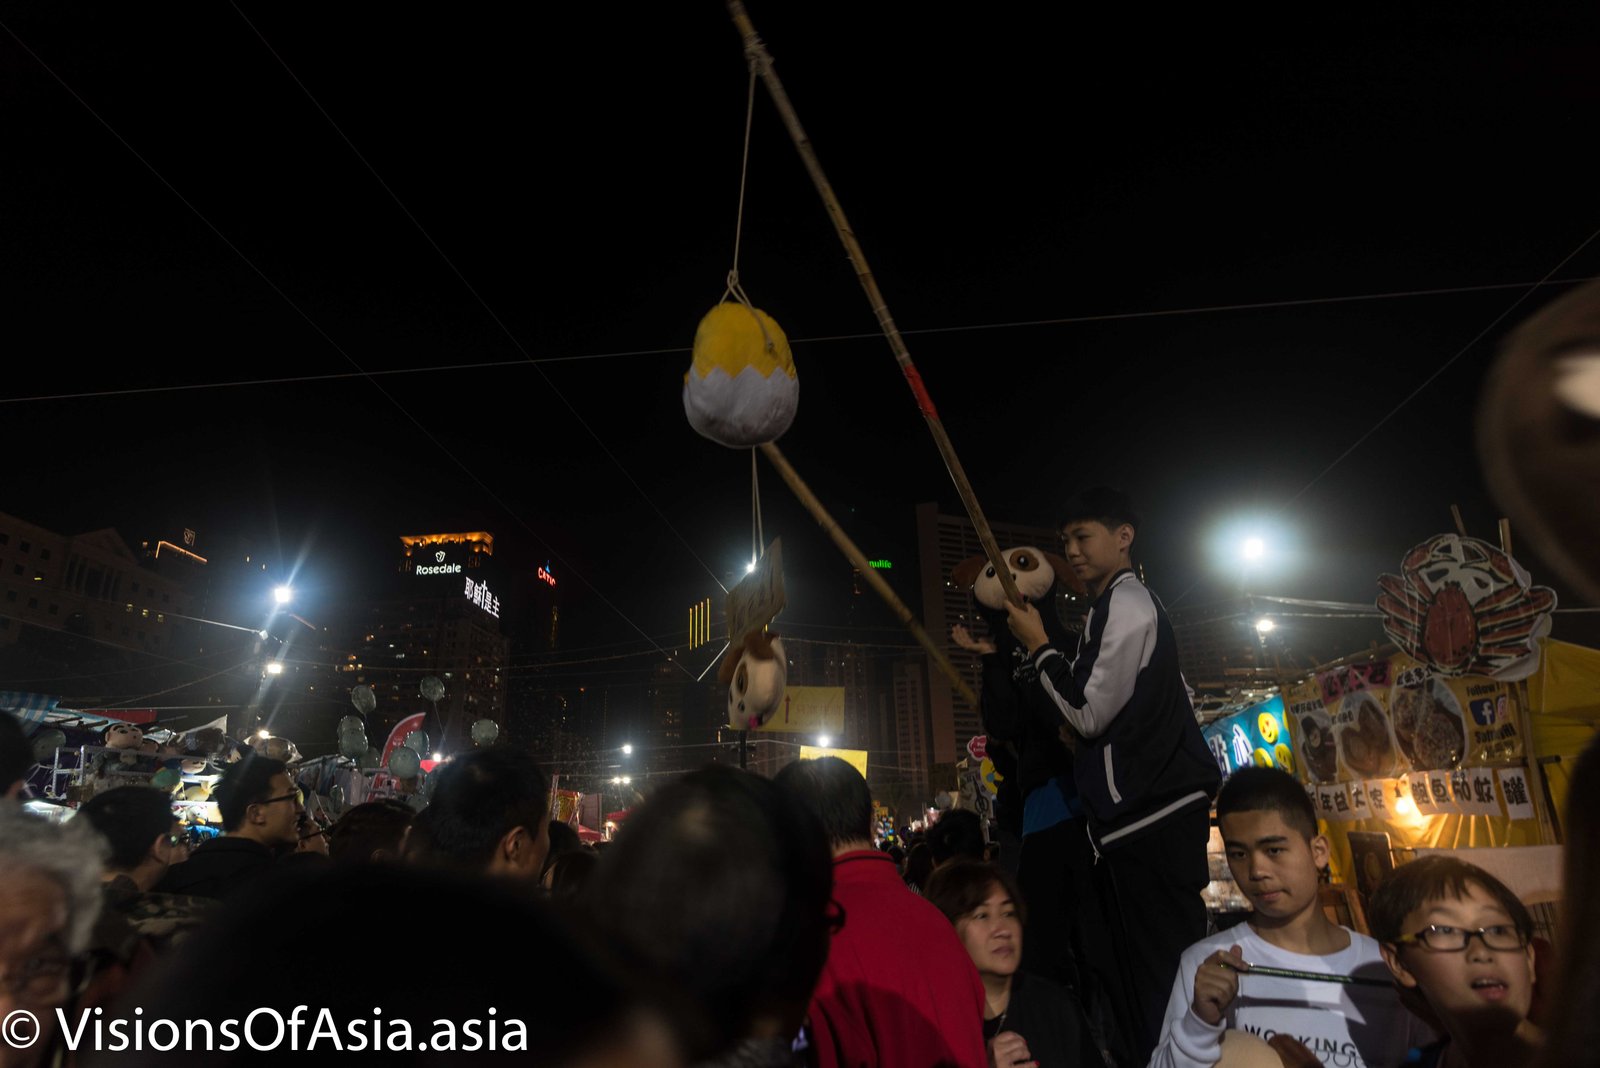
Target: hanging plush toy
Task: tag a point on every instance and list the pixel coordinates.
(1035, 573)
(755, 679)
(741, 390)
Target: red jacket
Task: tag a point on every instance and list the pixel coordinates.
(899, 990)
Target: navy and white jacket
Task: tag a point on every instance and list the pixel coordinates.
(1140, 757)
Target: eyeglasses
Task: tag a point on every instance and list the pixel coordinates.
(1442, 939)
(39, 976)
(298, 797)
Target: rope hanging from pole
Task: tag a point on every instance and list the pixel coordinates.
(761, 62)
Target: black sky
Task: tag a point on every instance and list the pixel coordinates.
(578, 165)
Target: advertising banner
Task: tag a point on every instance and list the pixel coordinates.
(856, 758)
(1254, 736)
(812, 709)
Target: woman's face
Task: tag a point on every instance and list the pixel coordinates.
(992, 933)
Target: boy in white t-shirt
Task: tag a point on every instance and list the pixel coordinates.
(1269, 829)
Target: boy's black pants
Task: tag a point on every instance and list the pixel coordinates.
(1149, 890)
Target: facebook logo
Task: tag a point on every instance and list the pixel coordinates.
(1486, 710)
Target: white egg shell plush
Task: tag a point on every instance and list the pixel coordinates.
(755, 681)
(741, 389)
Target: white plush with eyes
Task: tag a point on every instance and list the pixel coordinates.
(756, 681)
(1033, 570)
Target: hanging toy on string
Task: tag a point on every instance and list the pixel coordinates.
(741, 390)
(756, 679)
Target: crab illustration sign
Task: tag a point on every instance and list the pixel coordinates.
(1463, 607)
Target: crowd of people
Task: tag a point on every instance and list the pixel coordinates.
(744, 921)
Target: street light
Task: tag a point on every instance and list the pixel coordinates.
(1265, 626)
(274, 667)
(824, 740)
(282, 594)
(1253, 549)
(627, 749)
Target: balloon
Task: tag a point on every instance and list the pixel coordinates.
(352, 725)
(432, 688)
(485, 731)
(165, 779)
(417, 741)
(404, 763)
(364, 699)
(45, 744)
(353, 745)
(369, 761)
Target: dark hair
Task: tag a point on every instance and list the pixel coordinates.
(959, 833)
(16, 752)
(962, 885)
(1572, 1031)
(1257, 789)
(563, 839)
(242, 785)
(130, 818)
(716, 892)
(570, 871)
(1109, 507)
(377, 826)
(919, 865)
(568, 1000)
(1433, 878)
(835, 793)
(481, 797)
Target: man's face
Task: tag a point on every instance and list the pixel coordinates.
(34, 965)
(1274, 865)
(1095, 551)
(1473, 982)
(276, 820)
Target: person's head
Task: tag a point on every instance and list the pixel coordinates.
(49, 899)
(490, 813)
(552, 995)
(959, 833)
(984, 904)
(1097, 531)
(716, 893)
(1269, 833)
(563, 839)
(260, 802)
(919, 865)
(1460, 937)
(1573, 1029)
(138, 824)
(567, 873)
(837, 795)
(370, 832)
(16, 756)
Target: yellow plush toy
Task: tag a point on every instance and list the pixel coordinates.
(741, 389)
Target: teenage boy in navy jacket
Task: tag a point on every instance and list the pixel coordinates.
(1144, 774)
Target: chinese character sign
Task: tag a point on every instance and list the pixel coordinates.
(1256, 736)
(478, 593)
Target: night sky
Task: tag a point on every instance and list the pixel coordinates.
(559, 183)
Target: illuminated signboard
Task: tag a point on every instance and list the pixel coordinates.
(879, 565)
(545, 575)
(478, 593)
(439, 567)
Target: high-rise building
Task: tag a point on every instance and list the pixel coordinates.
(943, 541)
(442, 620)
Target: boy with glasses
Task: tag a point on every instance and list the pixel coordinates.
(261, 809)
(1458, 937)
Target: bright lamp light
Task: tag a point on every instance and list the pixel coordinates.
(1265, 626)
(824, 740)
(282, 595)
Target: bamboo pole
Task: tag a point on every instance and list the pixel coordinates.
(842, 540)
(762, 63)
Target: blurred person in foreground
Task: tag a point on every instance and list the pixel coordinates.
(715, 896)
(448, 968)
(1573, 1030)
(49, 900)
(898, 988)
(370, 833)
(145, 841)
